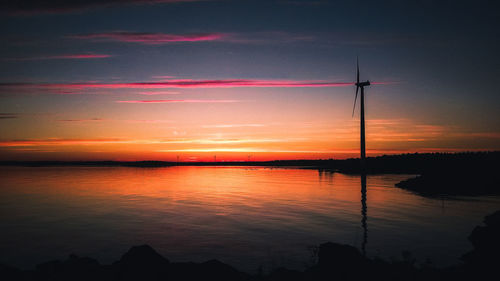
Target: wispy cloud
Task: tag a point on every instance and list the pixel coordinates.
(176, 84)
(392, 130)
(149, 38)
(150, 121)
(156, 38)
(61, 57)
(60, 6)
(158, 93)
(243, 149)
(81, 120)
(66, 142)
(403, 130)
(178, 101)
(226, 141)
(163, 77)
(487, 135)
(270, 37)
(9, 116)
(56, 142)
(233, 125)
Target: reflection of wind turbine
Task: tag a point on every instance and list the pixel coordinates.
(364, 214)
(362, 112)
(364, 208)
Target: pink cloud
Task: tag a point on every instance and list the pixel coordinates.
(179, 101)
(165, 38)
(150, 38)
(155, 38)
(81, 56)
(58, 57)
(180, 83)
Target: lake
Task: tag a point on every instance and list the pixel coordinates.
(248, 217)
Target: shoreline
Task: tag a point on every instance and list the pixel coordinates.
(397, 163)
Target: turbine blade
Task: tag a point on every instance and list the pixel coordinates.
(355, 98)
(357, 70)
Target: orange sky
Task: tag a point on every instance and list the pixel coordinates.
(259, 128)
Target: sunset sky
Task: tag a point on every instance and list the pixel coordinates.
(259, 80)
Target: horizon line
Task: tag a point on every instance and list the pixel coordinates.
(247, 161)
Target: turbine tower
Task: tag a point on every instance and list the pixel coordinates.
(361, 85)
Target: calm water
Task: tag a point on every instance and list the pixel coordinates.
(247, 217)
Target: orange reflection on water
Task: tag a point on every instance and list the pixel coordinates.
(209, 186)
(245, 216)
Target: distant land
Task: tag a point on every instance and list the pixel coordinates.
(413, 163)
(465, 173)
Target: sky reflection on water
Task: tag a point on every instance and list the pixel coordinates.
(247, 217)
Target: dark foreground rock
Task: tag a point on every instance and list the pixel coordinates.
(486, 242)
(141, 263)
(335, 262)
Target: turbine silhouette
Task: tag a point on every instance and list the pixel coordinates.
(361, 85)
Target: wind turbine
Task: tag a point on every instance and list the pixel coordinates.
(361, 85)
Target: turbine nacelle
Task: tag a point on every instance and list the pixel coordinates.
(362, 84)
